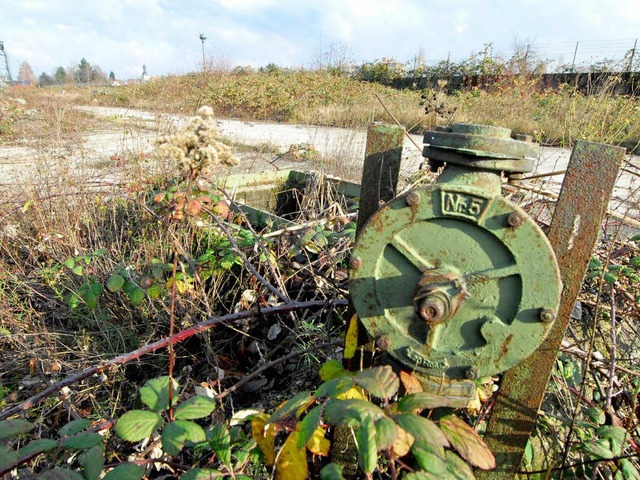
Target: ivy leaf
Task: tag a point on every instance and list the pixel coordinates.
(155, 393)
(137, 425)
(350, 412)
(430, 458)
(467, 442)
(115, 282)
(367, 451)
(10, 428)
(380, 382)
(38, 446)
(93, 463)
(457, 468)
(136, 296)
(126, 471)
(291, 406)
(351, 338)
(335, 386)
(220, 441)
(332, 471)
(74, 426)
(417, 402)
(292, 461)
(198, 406)
(308, 425)
(422, 429)
(264, 435)
(386, 433)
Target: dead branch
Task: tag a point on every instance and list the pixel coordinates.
(152, 347)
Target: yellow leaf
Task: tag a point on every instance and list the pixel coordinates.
(292, 462)
(411, 384)
(403, 442)
(264, 437)
(353, 392)
(351, 338)
(317, 444)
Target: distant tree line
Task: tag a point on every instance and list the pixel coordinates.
(81, 73)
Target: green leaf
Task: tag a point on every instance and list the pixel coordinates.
(155, 393)
(154, 291)
(290, 407)
(386, 433)
(137, 425)
(335, 386)
(635, 261)
(126, 471)
(331, 471)
(60, 474)
(457, 468)
(93, 463)
(10, 428)
(422, 429)
(136, 296)
(420, 475)
(70, 263)
(597, 449)
(430, 458)
(195, 433)
(596, 415)
(115, 282)
(610, 278)
(628, 470)
(220, 441)
(467, 442)
(196, 407)
(82, 441)
(331, 370)
(7, 458)
(617, 435)
(38, 446)
(202, 474)
(308, 425)
(367, 450)
(416, 402)
(350, 412)
(380, 382)
(77, 270)
(173, 439)
(75, 426)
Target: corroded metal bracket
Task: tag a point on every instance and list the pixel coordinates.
(586, 190)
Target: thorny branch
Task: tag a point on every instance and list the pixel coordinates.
(152, 347)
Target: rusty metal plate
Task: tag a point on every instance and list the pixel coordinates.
(456, 281)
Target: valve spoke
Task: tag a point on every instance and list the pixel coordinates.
(408, 251)
(493, 274)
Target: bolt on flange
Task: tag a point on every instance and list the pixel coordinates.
(547, 315)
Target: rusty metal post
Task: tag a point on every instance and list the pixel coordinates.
(586, 190)
(381, 168)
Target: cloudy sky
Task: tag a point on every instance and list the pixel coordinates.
(123, 35)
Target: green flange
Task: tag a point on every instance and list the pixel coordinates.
(455, 282)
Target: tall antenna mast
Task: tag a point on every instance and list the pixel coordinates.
(5, 73)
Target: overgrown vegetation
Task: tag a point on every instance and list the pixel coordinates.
(89, 273)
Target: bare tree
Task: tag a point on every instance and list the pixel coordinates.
(25, 74)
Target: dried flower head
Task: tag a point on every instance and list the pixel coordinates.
(198, 146)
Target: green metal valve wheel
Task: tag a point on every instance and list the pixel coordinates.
(455, 281)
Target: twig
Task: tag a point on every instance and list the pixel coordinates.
(398, 123)
(152, 347)
(246, 261)
(271, 364)
(614, 347)
(302, 226)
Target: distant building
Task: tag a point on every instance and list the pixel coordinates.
(145, 75)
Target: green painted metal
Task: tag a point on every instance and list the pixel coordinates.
(381, 168)
(455, 281)
(583, 201)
